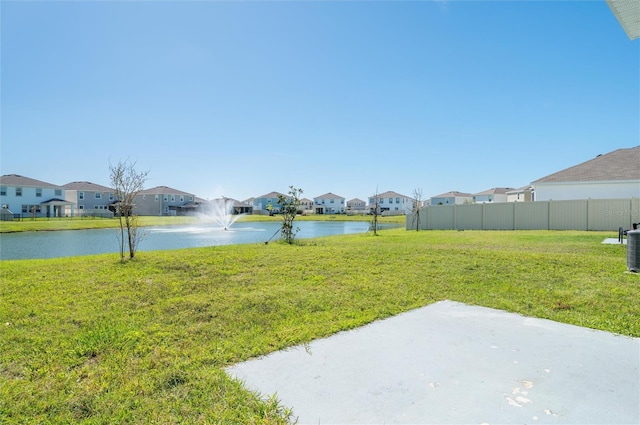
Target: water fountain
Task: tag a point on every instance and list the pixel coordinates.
(220, 211)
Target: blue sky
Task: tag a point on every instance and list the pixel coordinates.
(239, 99)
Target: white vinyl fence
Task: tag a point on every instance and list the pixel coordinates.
(587, 214)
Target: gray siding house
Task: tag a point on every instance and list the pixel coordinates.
(328, 203)
(162, 200)
(88, 199)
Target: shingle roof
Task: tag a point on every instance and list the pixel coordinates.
(621, 164)
(88, 186)
(454, 194)
(271, 195)
(163, 190)
(495, 191)
(329, 196)
(18, 180)
(627, 12)
(390, 194)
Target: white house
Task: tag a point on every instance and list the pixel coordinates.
(31, 197)
(615, 175)
(328, 203)
(357, 206)
(391, 203)
(521, 194)
(452, 198)
(494, 195)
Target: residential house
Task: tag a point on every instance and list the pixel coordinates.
(88, 199)
(452, 198)
(615, 175)
(356, 206)
(522, 194)
(31, 197)
(328, 203)
(267, 203)
(494, 195)
(306, 205)
(161, 201)
(391, 203)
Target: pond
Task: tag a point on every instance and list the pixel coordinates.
(71, 243)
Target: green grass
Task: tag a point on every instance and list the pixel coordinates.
(91, 340)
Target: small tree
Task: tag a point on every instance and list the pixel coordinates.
(376, 212)
(127, 183)
(290, 206)
(417, 204)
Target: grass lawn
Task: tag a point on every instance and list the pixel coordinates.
(91, 340)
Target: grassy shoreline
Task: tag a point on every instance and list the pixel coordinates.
(90, 340)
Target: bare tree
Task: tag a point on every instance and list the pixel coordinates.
(417, 205)
(127, 183)
(290, 205)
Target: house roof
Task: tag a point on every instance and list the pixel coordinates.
(163, 190)
(329, 196)
(454, 194)
(88, 186)
(495, 191)
(621, 164)
(355, 200)
(271, 195)
(520, 189)
(390, 194)
(627, 12)
(18, 180)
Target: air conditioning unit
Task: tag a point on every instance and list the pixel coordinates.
(633, 250)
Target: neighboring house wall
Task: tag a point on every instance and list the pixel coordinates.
(161, 201)
(328, 203)
(587, 190)
(520, 195)
(494, 195)
(30, 197)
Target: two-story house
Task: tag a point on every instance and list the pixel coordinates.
(32, 198)
(391, 203)
(356, 206)
(494, 195)
(162, 200)
(88, 199)
(452, 198)
(328, 203)
(267, 203)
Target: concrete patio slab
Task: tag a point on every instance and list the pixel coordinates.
(451, 363)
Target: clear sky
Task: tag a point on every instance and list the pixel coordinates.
(241, 98)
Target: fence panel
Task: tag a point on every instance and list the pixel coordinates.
(441, 217)
(499, 216)
(592, 214)
(469, 216)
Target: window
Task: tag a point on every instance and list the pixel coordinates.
(38, 192)
(95, 207)
(173, 198)
(19, 193)
(58, 192)
(3, 191)
(98, 195)
(156, 198)
(191, 198)
(397, 200)
(331, 201)
(80, 207)
(391, 200)
(166, 198)
(181, 198)
(111, 196)
(81, 196)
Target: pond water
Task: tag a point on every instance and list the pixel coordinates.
(71, 243)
